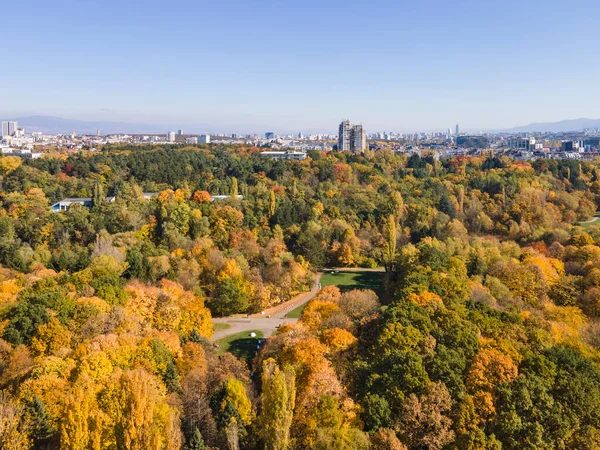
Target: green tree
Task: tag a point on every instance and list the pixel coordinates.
(391, 242)
(278, 400)
(196, 442)
(228, 299)
(40, 422)
(98, 198)
(272, 203)
(234, 188)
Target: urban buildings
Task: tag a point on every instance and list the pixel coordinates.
(191, 140)
(572, 146)
(171, 136)
(204, 139)
(269, 135)
(528, 144)
(351, 138)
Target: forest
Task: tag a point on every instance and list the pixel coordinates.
(487, 337)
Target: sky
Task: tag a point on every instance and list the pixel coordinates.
(302, 66)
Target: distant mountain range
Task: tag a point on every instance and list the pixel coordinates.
(556, 127)
(57, 125)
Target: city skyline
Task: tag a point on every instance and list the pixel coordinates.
(420, 67)
(56, 125)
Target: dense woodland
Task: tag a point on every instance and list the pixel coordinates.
(487, 337)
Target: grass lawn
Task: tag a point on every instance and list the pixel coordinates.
(241, 344)
(221, 326)
(296, 312)
(347, 281)
(591, 224)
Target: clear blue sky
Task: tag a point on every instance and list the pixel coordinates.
(303, 65)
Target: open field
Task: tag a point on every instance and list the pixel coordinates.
(347, 281)
(241, 344)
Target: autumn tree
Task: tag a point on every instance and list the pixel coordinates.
(277, 403)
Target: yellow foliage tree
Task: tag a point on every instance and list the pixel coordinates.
(50, 337)
(316, 312)
(338, 339)
(235, 392)
(9, 164)
(144, 417)
(278, 400)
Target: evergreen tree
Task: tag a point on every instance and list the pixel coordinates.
(196, 441)
(171, 378)
(195, 337)
(40, 423)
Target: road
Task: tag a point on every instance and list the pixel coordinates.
(270, 320)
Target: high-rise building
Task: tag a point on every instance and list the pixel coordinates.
(358, 139)
(344, 133)
(204, 139)
(98, 132)
(9, 128)
(179, 132)
(351, 138)
(171, 136)
(456, 133)
(269, 135)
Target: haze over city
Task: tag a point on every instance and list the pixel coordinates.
(250, 67)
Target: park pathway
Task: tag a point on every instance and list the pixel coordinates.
(270, 320)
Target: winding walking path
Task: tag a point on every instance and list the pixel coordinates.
(272, 318)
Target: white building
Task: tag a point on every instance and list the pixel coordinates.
(204, 139)
(224, 197)
(191, 140)
(298, 156)
(171, 136)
